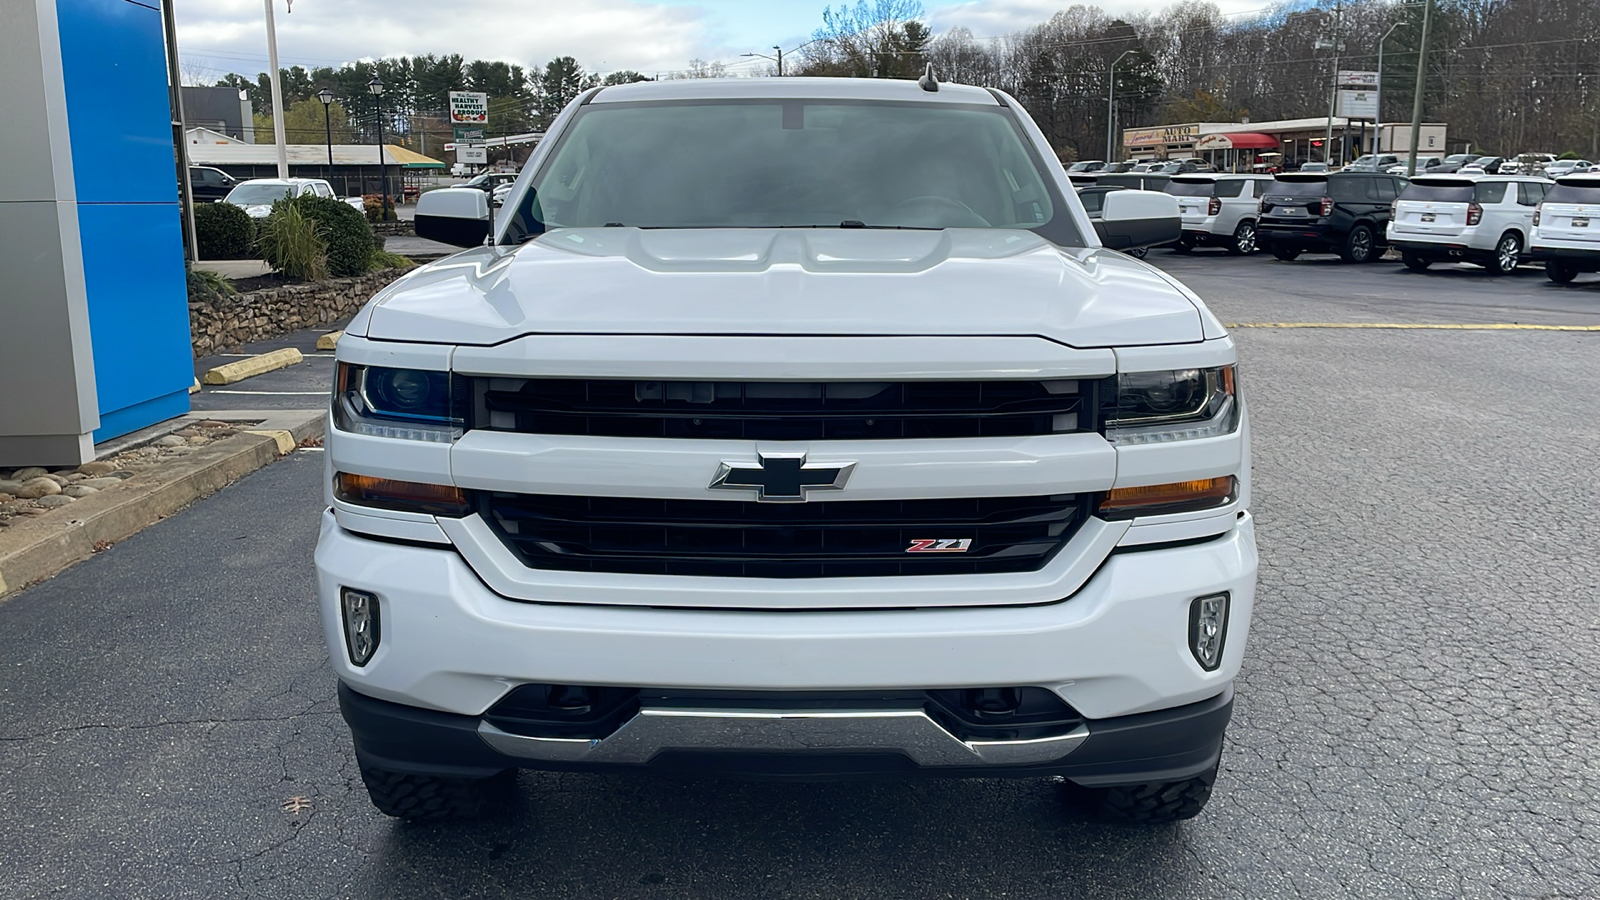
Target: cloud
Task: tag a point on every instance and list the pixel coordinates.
(604, 35)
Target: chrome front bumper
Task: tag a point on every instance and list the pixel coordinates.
(909, 732)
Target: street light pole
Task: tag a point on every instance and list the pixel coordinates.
(1333, 92)
(326, 96)
(376, 87)
(1416, 98)
(1377, 117)
(1111, 107)
(777, 59)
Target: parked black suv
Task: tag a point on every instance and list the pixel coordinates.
(1328, 212)
(207, 184)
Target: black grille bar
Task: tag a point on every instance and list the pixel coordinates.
(767, 410)
(783, 540)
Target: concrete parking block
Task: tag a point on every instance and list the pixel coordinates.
(35, 550)
(329, 341)
(255, 365)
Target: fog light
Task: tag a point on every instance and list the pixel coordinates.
(361, 629)
(1208, 627)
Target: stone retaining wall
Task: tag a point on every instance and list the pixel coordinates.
(224, 324)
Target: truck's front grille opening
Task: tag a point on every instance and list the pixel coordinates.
(835, 538)
(783, 411)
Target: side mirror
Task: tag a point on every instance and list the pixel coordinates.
(457, 216)
(1133, 219)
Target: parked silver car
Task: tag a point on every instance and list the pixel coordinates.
(1218, 210)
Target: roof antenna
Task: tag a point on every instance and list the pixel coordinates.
(927, 82)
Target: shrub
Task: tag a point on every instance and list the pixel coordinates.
(294, 243)
(348, 236)
(204, 285)
(223, 231)
(383, 259)
(378, 207)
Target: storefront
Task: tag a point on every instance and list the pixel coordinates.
(1283, 145)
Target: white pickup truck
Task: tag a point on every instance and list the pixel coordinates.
(789, 428)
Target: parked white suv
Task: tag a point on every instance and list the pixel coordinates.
(789, 427)
(1566, 233)
(1218, 210)
(1483, 219)
(257, 195)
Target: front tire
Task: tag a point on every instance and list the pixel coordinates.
(1287, 254)
(1357, 245)
(428, 798)
(1416, 262)
(1139, 252)
(1159, 803)
(1244, 239)
(1560, 272)
(1507, 253)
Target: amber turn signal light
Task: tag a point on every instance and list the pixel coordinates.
(403, 496)
(1178, 496)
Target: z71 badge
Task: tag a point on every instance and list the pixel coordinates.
(947, 545)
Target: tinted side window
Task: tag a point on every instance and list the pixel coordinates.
(1526, 195)
(1385, 186)
(1233, 188)
(1350, 188)
(1491, 192)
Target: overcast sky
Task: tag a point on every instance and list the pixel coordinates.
(219, 36)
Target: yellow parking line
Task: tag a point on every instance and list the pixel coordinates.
(1420, 326)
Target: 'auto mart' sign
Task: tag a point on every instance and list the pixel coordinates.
(1155, 137)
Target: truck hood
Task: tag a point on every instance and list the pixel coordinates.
(784, 282)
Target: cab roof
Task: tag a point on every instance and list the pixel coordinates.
(886, 89)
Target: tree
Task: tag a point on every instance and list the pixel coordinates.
(303, 124)
(699, 68)
(885, 39)
(563, 80)
(625, 76)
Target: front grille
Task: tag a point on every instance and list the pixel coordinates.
(833, 538)
(783, 411)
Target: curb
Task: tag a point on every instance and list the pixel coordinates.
(44, 547)
(255, 365)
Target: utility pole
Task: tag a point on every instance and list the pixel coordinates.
(1416, 99)
(277, 94)
(1377, 118)
(1333, 92)
(1111, 108)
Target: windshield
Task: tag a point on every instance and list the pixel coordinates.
(793, 163)
(258, 194)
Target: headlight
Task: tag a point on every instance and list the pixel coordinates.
(1176, 405)
(410, 404)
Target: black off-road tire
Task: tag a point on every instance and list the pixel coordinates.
(1359, 245)
(1155, 804)
(1287, 254)
(1244, 239)
(427, 798)
(1560, 272)
(1416, 262)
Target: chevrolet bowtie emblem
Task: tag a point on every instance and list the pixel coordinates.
(781, 477)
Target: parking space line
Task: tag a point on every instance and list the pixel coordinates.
(276, 393)
(1417, 326)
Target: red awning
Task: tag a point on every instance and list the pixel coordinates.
(1237, 140)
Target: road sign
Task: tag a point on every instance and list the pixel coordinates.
(472, 155)
(469, 108)
(1352, 79)
(472, 134)
(1358, 105)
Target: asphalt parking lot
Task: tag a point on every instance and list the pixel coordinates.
(1416, 716)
